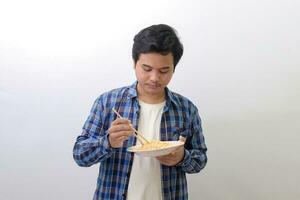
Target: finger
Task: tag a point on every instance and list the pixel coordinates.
(120, 127)
(120, 121)
(117, 135)
(161, 157)
(165, 157)
(164, 162)
(182, 139)
(122, 138)
(176, 150)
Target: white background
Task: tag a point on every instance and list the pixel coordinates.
(240, 67)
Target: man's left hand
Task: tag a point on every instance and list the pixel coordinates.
(175, 157)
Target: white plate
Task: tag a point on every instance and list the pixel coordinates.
(156, 152)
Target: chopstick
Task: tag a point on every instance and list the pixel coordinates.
(138, 135)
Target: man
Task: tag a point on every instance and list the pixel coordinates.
(158, 113)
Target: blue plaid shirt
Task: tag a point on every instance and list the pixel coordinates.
(180, 117)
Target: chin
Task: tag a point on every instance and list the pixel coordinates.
(154, 92)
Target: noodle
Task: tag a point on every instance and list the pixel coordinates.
(152, 145)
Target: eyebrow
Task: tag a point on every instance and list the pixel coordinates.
(166, 67)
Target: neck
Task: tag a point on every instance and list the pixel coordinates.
(150, 98)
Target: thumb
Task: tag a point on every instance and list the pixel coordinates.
(182, 139)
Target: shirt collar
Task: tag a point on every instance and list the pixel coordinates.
(170, 97)
(132, 90)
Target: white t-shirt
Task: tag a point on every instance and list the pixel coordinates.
(145, 176)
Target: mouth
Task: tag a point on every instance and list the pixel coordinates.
(153, 86)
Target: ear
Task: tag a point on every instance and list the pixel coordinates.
(133, 64)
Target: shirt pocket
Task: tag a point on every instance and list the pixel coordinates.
(179, 131)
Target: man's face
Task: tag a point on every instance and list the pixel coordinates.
(153, 72)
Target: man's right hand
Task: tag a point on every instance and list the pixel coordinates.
(119, 131)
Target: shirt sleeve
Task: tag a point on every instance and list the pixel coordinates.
(195, 157)
(92, 146)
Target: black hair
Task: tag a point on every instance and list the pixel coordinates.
(159, 38)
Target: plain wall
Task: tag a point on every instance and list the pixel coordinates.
(240, 67)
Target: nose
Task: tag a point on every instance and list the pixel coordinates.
(154, 76)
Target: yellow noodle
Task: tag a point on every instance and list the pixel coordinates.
(153, 145)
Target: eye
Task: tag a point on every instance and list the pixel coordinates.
(164, 71)
(147, 69)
